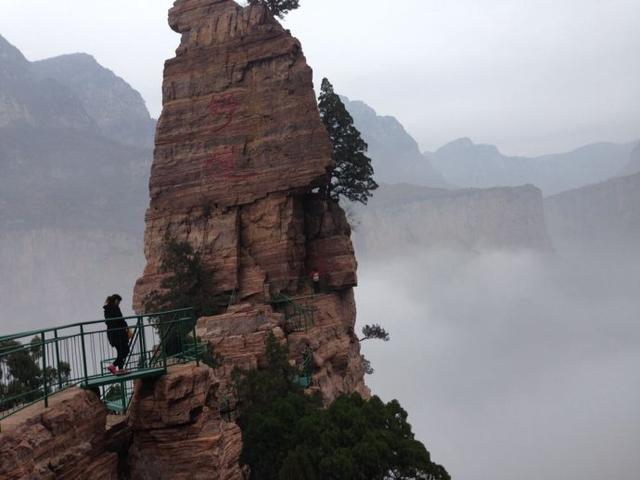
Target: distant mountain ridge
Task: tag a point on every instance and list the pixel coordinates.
(118, 110)
(395, 154)
(75, 143)
(466, 164)
(75, 153)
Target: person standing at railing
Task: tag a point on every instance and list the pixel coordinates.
(117, 333)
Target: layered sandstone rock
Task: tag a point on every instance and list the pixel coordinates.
(239, 135)
(178, 432)
(240, 151)
(65, 441)
(240, 148)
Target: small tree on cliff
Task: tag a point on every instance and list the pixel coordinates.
(352, 177)
(278, 8)
(186, 284)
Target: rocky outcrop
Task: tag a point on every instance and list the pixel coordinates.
(178, 432)
(240, 147)
(606, 214)
(68, 440)
(402, 218)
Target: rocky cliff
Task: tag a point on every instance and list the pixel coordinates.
(240, 148)
(404, 217)
(68, 440)
(605, 214)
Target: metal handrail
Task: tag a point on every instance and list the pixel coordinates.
(56, 362)
(92, 322)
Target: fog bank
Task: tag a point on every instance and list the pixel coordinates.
(512, 365)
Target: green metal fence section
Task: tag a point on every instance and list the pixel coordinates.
(298, 317)
(38, 364)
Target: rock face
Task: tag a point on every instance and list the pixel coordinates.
(240, 147)
(178, 432)
(66, 441)
(606, 214)
(404, 217)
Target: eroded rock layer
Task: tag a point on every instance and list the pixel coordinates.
(65, 441)
(177, 429)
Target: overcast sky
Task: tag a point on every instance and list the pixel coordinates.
(531, 76)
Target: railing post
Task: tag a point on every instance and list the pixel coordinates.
(195, 338)
(84, 356)
(55, 334)
(123, 397)
(143, 347)
(44, 370)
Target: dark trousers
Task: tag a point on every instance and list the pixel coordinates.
(120, 341)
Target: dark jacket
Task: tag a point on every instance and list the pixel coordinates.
(117, 325)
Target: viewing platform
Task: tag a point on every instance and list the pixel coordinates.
(39, 364)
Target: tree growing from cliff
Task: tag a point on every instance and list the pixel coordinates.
(186, 283)
(352, 177)
(287, 435)
(374, 332)
(278, 8)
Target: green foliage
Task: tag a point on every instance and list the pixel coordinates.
(21, 373)
(186, 284)
(278, 8)
(287, 435)
(375, 332)
(352, 177)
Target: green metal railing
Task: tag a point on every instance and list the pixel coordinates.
(304, 378)
(38, 364)
(298, 317)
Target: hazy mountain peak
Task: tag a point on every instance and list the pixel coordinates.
(117, 108)
(466, 145)
(9, 53)
(395, 154)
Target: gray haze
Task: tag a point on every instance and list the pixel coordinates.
(512, 365)
(533, 76)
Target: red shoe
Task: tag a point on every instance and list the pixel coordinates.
(122, 372)
(112, 369)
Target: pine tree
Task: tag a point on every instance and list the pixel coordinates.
(278, 8)
(352, 177)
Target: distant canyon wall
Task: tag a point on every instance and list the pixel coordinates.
(56, 276)
(605, 214)
(401, 218)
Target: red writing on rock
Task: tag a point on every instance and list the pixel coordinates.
(222, 109)
(222, 162)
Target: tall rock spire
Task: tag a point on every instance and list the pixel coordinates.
(240, 150)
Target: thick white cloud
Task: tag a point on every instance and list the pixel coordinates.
(532, 76)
